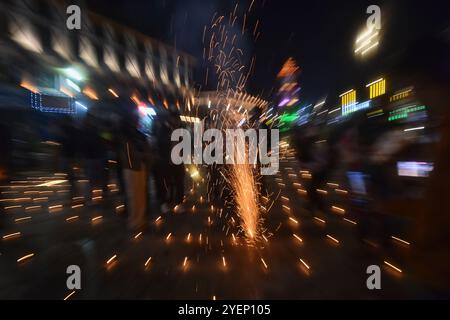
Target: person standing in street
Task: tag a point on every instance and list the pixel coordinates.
(132, 157)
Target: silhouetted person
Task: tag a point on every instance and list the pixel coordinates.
(133, 159)
(95, 154)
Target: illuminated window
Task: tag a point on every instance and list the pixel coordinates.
(348, 98)
(377, 88)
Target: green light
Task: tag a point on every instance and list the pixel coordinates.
(403, 113)
(288, 117)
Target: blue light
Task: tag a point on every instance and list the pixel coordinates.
(81, 105)
(346, 110)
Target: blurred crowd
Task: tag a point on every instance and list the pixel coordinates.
(108, 144)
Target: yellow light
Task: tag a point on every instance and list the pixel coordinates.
(341, 191)
(12, 235)
(350, 221)
(113, 93)
(72, 218)
(401, 240)
(69, 295)
(51, 183)
(392, 266)
(26, 257)
(293, 220)
(338, 210)
(334, 185)
(29, 86)
(148, 261)
(298, 238)
(111, 259)
(320, 220)
(264, 263)
(90, 93)
(304, 263)
(332, 238)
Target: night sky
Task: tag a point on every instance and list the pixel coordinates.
(318, 34)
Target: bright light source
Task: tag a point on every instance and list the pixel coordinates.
(364, 35)
(73, 74)
(73, 85)
(90, 93)
(81, 105)
(113, 93)
(370, 48)
(414, 129)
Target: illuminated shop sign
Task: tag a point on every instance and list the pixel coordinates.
(52, 103)
(348, 109)
(404, 112)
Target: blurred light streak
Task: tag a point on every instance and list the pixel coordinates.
(51, 183)
(293, 220)
(350, 221)
(401, 240)
(338, 210)
(12, 207)
(333, 185)
(114, 257)
(298, 238)
(26, 257)
(33, 208)
(69, 295)
(332, 238)
(370, 48)
(393, 267)
(264, 263)
(320, 220)
(11, 235)
(72, 218)
(113, 93)
(414, 129)
(304, 263)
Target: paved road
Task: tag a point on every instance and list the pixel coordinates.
(193, 255)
